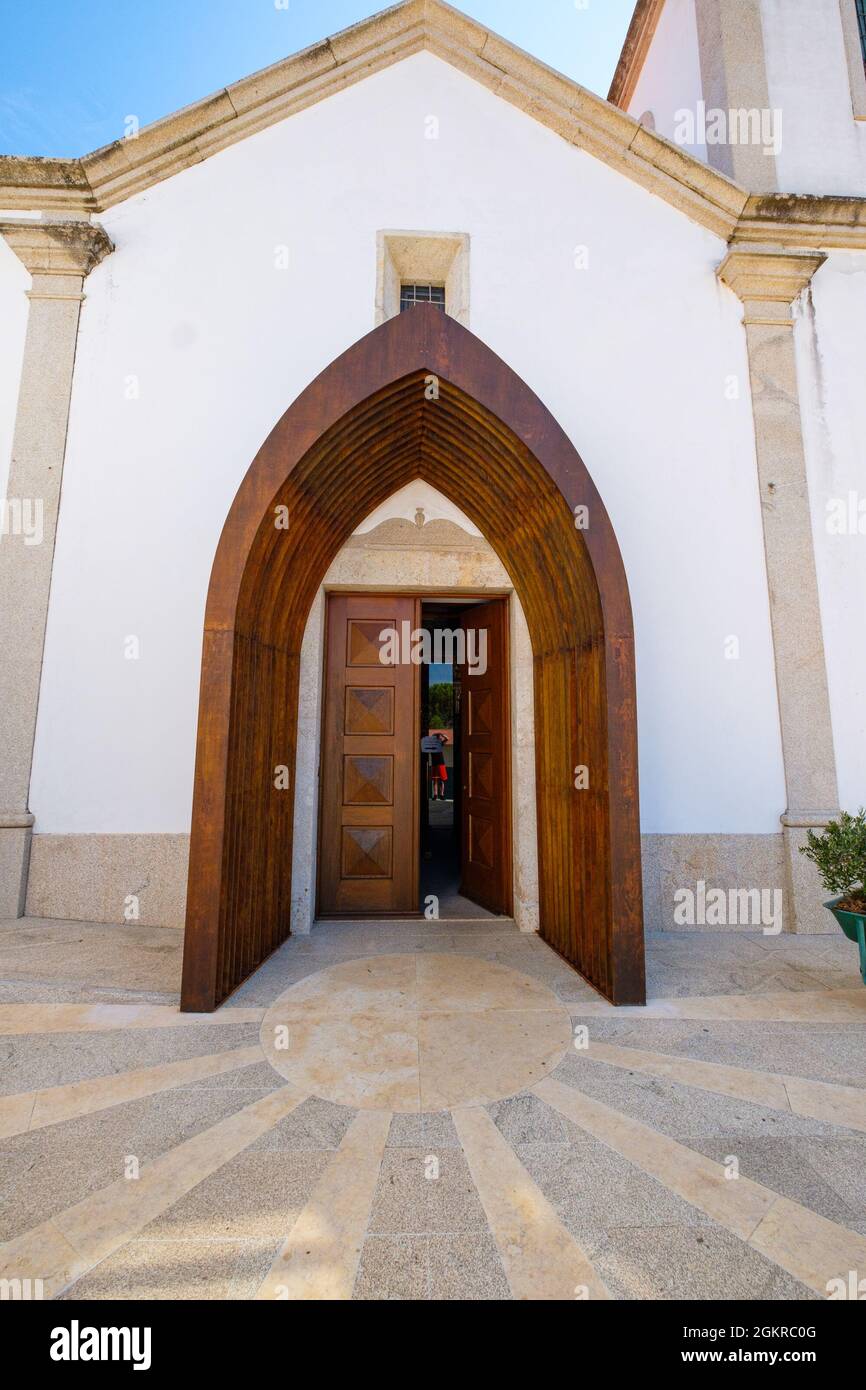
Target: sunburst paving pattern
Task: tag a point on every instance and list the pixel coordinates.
(434, 1111)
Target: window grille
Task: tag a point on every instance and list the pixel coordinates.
(421, 294)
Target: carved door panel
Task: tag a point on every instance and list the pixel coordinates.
(368, 817)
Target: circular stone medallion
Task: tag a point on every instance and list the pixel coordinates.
(416, 1032)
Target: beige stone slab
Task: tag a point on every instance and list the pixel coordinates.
(817, 1100)
(320, 1257)
(15, 844)
(61, 1250)
(811, 1248)
(476, 1058)
(502, 1033)
(365, 1060)
(670, 862)
(373, 986)
(16, 1019)
(43, 1254)
(821, 1100)
(87, 877)
(801, 1006)
(541, 1259)
(736, 1204)
(456, 984)
(36, 1109)
(15, 1113)
(762, 1088)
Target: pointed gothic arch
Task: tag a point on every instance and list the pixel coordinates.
(418, 397)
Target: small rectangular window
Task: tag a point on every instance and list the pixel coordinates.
(861, 20)
(421, 294)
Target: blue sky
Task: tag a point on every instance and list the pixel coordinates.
(71, 71)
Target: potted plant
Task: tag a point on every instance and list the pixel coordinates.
(839, 854)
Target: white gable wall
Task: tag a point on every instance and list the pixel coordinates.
(823, 146)
(634, 356)
(670, 79)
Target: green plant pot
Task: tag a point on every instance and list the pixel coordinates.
(853, 925)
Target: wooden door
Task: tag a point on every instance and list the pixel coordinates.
(484, 744)
(368, 811)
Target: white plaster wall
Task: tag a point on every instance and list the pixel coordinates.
(823, 146)
(632, 355)
(670, 79)
(14, 281)
(831, 349)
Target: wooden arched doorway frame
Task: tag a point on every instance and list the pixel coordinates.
(418, 397)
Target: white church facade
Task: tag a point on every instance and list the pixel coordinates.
(410, 333)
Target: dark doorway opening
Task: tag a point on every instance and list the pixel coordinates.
(467, 645)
